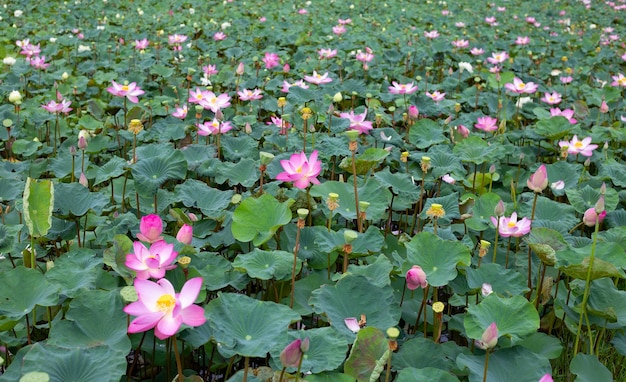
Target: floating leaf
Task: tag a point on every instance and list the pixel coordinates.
(211, 201)
(368, 355)
(588, 368)
(610, 260)
(151, 172)
(372, 192)
(505, 282)
(22, 289)
(482, 212)
(543, 345)
(76, 271)
(505, 366)
(266, 265)
(607, 302)
(425, 133)
(422, 352)
(613, 171)
(553, 128)
(584, 198)
(377, 272)
(545, 242)
(38, 205)
(365, 162)
(475, 150)
(73, 199)
(428, 374)
(258, 219)
(450, 204)
(115, 167)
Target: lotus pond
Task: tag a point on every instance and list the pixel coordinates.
(321, 191)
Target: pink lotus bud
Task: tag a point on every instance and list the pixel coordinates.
(604, 108)
(192, 217)
(448, 179)
(83, 180)
(240, 69)
(464, 131)
(413, 112)
(150, 228)
(539, 180)
(286, 68)
(489, 339)
(486, 289)
(248, 128)
(185, 234)
(500, 209)
(219, 115)
(546, 378)
(291, 354)
(591, 216)
(82, 143)
(603, 189)
(415, 278)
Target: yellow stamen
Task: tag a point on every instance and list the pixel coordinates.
(166, 303)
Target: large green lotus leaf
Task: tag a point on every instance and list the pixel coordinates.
(516, 364)
(422, 352)
(553, 128)
(8, 234)
(38, 203)
(353, 296)
(428, 374)
(216, 271)
(543, 345)
(546, 242)
(619, 342)
(568, 172)
(329, 377)
(588, 368)
(236, 148)
(95, 364)
(614, 235)
(266, 265)
(73, 199)
(610, 260)
(75, 271)
(376, 273)
(616, 218)
(238, 377)
(366, 243)
(95, 318)
(400, 183)
(482, 211)
(11, 189)
(211, 201)
(197, 154)
(244, 326)
(444, 162)
(560, 213)
(607, 302)
(115, 257)
(437, 257)
(584, 198)
(365, 162)
(372, 192)
(299, 96)
(258, 219)
(476, 150)
(309, 247)
(327, 350)
(450, 204)
(368, 356)
(245, 172)
(25, 147)
(425, 133)
(515, 317)
(614, 171)
(115, 167)
(505, 282)
(150, 172)
(22, 289)
(303, 290)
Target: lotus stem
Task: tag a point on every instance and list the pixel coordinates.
(530, 259)
(486, 366)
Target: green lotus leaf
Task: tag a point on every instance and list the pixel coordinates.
(25, 147)
(368, 356)
(476, 150)
(258, 219)
(443, 162)
(553, 128)
(607, 302)
(505, 366)
(365, 162)
(400, 184)
(73, 199)
(245, 326)
(211, 201)
(150, 172)
(376, 273)
(482, 211)
(505, 282)
(546, 242)
(588, 368)
(610, 260)
(115, 167)
(425, 133)
(329, 377)
(98, 144)
(76, 271)
(514, 316)
(11, 189)
(619, 342)
(8, 234)
(38, 203)
(372, 192)
(584, 198)
(327, 350)
(216, 271)
(427, 374)
(568, 172)
(420, 353)
(237, 148)
(238, 377)
(245, 172)
(267, 265)
(614, 171)
(303, 290)
(437, 257)
(614, 235)
(542, 344)
(115, 257)
(310, 250)
(197, 154)
(353, 296)
(616, 218)
(546, 209)
(23, 288)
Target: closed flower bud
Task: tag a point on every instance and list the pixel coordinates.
(15, 97)
(416, 278)
(240, 69)
(538, 181)
(337, 97)
(489, 339)
(291, 354)
(500, 209)
(185, 234)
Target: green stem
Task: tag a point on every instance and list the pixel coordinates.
(495, 244)
(179, 364)
(246, 362)
(530, 259)
(295, 261)
(486, 366)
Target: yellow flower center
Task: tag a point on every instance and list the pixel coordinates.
(622, 81)
(213, 100)
(511, 224)
(522, 85)
(166, 303)
(578, 144)
(125, 88)
(299, 169)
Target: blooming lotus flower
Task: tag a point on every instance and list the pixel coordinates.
(142, 44)
(185, 234)
(300, 170)
(498, 58)
(279, 122)
(522, 40)
(339, 30)
(197, 95)
(213, 127)
(292, 353)
(318, 79)
(180, 112)
(161, 308)
(176, 39)
(299, 83)
(486, 124)
(151, 262)
(271, 60)
(130, 91)
(551, 99)
(584, 147)
(30, 50)
(538, 181)
(61, 107)
(249, 95)
(566, 79)
(489, 339)
(326, 53)
(460, 43)
(475, 51)
(567, 113)
(436, 96)
(619, 80)
(38, 62)
(364, 57)
(213, 102)
(520, 87)
(431, 34)
(344, 21)
(358, 122)
(511, 227)
(209, 70)
(402, 88)
(416, 278)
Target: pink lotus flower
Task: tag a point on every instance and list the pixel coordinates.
(300, 170)
(209, 70)
(489, 339)
(522, 40)
(567, 113)
(344, 21)
(566, 79)
(318, 79)
(486, 124)
(619, 80)
(584, 147)
(279, 122)
(30, 50)
(292, 353)
(448, 179)
(185, 234)
(413, 112)
(214, 103)
(150, 228)
(552, 99)
(161, 308)
(249, 95)
(130, 91)
(352, 323)
(538, 181)
(326, 53)
(142, 44)
(546, 378)
(302, 11)
(219, 36)
(498, 58)
(416, 278)
(197, 95)
(38, 62)
(61, 107)
(339, 30)
(491, 20)
(271, 60)
(511, 227)
(151, 262)
(364, 56)
(520, 87)
(590, 217)
(464, 131)
(402, 88)
(431, 34)
(358, 122)
(299, 83)
(460, 44)
(604, 107)
(180, 112)
(477, 51)
(176, 39)
(213, 127)
(436, 96)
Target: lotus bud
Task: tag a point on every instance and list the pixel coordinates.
(604, 108)
(185, 234)
(150, 228)
(546, 378)
(416, 278)
(15, 97)
(83, 180)
(337, 97)
(603, 189)
(286, 68)
(486, 290)
(500, 209)
(464, 131)
(247, 128)
(590, 217)
(489, 339)
(240, 69)
(538, 181)
(291, 354)
(413, 112)
(599, 207)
